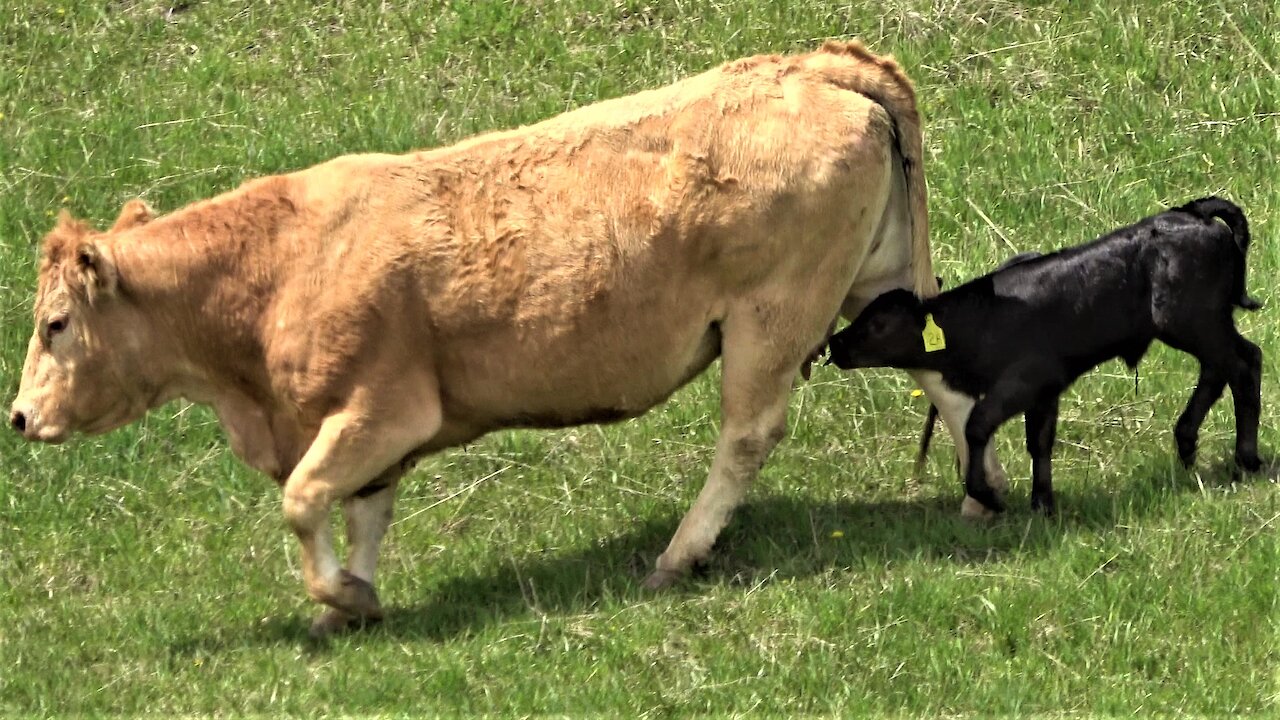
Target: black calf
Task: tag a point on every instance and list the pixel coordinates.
(1016, 338)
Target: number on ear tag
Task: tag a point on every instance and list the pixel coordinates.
(934, 340)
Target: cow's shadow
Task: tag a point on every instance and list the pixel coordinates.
(771, 537)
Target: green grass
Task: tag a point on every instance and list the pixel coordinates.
(147, 572)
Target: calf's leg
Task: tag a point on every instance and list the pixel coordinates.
(954, 408)
(1042, 430)
(1186, 433)
(1226, 357)
(1246, 391)
(1013, 394)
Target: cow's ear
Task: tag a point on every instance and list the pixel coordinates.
(134, 213)
(94, 271)
(939, 279)
(69, 226)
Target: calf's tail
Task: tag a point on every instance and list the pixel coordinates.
(930, 421)
(1208, 208)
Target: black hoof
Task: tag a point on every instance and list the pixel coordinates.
(1250, 463)
(988, 497)
(1044, 506)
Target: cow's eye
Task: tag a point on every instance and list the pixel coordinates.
(55, 326)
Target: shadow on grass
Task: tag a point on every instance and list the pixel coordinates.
(769, 538)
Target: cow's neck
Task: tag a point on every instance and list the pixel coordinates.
(205, 275)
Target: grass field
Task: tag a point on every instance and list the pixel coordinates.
(148, 572)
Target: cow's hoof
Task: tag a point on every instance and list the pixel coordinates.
(971, 509)
(354, 596)
(662, 579)
(334, 621)
(330, 622)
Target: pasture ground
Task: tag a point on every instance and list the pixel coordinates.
(147, 572)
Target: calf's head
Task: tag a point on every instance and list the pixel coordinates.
(888, 333)
(83, 360)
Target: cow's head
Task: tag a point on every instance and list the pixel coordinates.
(83, 361)
(886, 334)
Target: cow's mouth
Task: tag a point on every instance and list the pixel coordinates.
(51, 434)
(116, 417)
(54, 437)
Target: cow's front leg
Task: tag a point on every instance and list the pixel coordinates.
(349, 451)
(368, 515)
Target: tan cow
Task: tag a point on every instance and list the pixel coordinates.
(345, 319)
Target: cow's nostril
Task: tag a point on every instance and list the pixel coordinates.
(19, 421)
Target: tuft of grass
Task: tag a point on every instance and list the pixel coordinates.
(148, 572)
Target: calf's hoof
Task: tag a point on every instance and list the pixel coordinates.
(1186, 451)
(971, 509)
(662, 579)
(1188, 459)
(1044, 506)
(1249, 462)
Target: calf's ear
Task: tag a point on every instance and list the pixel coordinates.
(939, 279)
(134, 213)
(94, 271)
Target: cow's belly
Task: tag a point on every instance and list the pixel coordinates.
(602, 371)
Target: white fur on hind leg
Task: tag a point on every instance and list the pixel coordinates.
(973, 510)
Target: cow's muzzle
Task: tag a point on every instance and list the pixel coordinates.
(24, 421)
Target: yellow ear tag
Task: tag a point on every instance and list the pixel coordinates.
(934, 340)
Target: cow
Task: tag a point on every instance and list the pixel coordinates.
(345, 319)
(1017, 338)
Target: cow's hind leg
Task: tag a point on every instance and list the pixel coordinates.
(757, 372)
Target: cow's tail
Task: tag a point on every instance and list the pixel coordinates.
(884, 82)
(1208, 208)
